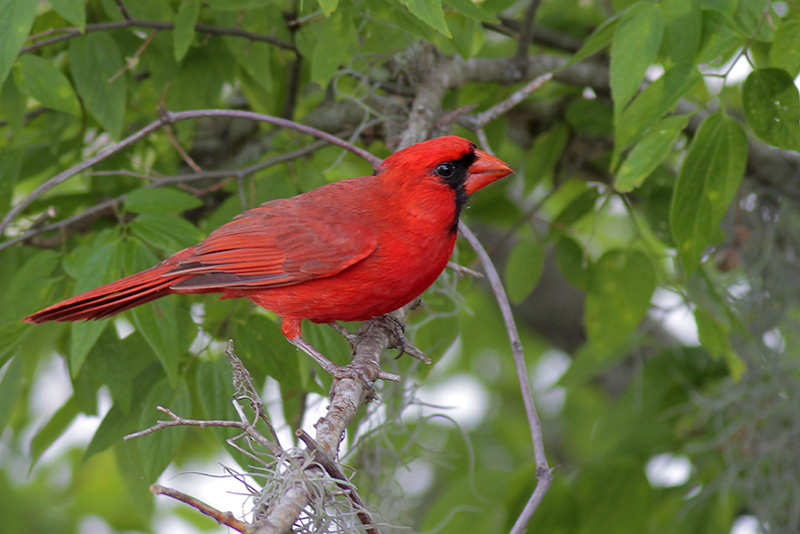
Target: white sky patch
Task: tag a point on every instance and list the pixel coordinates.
(670, 310)
(415, 478)
(746, 524)
(548, 370)
(668, 470)
(461, 397)
(740, 70)
(774, 340)
(653, 72)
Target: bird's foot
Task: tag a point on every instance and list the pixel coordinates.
(351, 337)
(399, 339)
(366, 372)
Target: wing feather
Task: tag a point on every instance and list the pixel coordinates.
(275, 245)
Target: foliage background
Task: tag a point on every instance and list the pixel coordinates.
(653, 180)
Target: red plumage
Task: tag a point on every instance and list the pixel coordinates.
(350, 250)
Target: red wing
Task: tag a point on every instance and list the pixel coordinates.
(272, 247)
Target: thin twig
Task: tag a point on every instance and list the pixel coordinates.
(544, 474)
(222, 518)
(465, 271)
(166, 118)
(243, 380)
(202, 423)
(184, 155)
(134, 59)
(71, 33)
(526, 33)
(478, 121)
(123, 10)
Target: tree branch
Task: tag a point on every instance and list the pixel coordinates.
(73, 32)
(544, 475)
(222, 518)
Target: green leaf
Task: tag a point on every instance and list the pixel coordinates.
(633, 48)
(331, 50)
(156, 321)
(574, 265)
(707, 182)
(113, 426)
(160, 200)
(751, 17)
(785, 51)
(39, 79)
(28, 290)
(599, 39)
(577, 208)
(236, 5)
(117, 423)
(72, 10)
(12, 105)
(716, 339)
(771, 105)
(101, 267)
(328, 6)
(719, 38)
(653, 103)
(621, 285)
(166, 232)
(524, 268)
(53, 429)
(96, 63)
(590, 116)
(464, 31)
(255, 59)
(260, 344)
(183, 32)
(16, 19)
(649, 153)
(214, 388)
(727, 7)
(10, 166)
(430, 12)
(117, 362)
(683, 26)
(545, 155)
(472, 10)
(159, 448)
(10, 388)
(11, 337)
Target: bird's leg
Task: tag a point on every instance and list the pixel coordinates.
(351, 337)
(400, 342)
(339, 372)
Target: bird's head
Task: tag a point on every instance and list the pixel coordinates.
(430, 169)
(450, 160)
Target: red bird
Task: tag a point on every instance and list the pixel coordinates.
(348, 251)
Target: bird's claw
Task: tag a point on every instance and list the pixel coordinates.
(399, 339)
(363, 372)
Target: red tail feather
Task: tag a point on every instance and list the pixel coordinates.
(115, 297)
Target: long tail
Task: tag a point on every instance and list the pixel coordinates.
(115, 297)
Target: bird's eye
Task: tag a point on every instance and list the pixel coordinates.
(445, 170)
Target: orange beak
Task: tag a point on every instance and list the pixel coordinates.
(485, 170)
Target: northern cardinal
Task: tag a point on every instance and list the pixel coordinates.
(347, 251)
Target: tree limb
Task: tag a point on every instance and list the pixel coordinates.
(71, 33)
